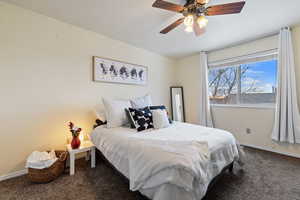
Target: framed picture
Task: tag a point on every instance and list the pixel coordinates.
(114, 71)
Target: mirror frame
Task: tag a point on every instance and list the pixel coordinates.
(183, 108)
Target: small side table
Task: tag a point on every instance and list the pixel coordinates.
(85, 146)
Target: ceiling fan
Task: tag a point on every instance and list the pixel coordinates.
(194, 12)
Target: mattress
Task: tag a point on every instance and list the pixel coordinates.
(113, 143)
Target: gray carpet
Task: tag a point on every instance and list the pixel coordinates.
(266, 176)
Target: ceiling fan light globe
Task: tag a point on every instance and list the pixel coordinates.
(202, 21)
(189, 20)
(189, 29)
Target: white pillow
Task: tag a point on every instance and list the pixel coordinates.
(141, 102)
(100, 112)
(115, 112)
(160, 119)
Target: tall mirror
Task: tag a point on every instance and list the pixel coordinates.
(177, 104)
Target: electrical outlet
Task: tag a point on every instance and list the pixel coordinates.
(248, 130)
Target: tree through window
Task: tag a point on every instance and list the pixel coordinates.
(250, 83)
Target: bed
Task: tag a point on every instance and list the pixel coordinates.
(174, 163)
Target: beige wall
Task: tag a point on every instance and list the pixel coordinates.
(187, 73)
(296, 40)
(46, 81)
(236, 119)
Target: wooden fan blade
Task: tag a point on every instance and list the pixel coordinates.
(224, 9)
(172, 26)
(198, 31)
(167, 6)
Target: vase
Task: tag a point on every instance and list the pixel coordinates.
(75, 143)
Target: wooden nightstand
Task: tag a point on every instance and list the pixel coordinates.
(85, 146)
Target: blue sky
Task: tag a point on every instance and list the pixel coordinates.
(262, 75)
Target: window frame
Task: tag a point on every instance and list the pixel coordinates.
(261, 56)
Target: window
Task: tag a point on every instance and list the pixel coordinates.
(245, 83)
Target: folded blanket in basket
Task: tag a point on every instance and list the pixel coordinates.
(41, 160)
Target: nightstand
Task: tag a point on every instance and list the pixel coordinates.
(85, 146)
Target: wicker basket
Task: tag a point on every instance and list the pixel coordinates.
(49, 174)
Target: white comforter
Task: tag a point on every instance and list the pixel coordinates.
(177, 162)
(190, 158)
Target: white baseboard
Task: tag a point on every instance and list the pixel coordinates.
(272, 150)
(13, 174)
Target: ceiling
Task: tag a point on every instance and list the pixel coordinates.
(137, 23)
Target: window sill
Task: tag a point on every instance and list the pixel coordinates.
(244, 106)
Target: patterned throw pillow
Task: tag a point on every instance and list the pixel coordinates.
(130, 118)
(142, 118)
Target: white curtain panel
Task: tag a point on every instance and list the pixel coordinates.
(205, 112)
(287, 119)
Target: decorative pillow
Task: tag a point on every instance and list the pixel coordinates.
(162, 107)
(160, 119)
(99, 122)
(141, 102)
(115, 112)
(142, 118)
(130, 118)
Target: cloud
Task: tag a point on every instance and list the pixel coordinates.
(250, 81)
(250, 71)
(256, 86)
(261, 88)
(266, 88)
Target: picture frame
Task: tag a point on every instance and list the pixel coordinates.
(115, 71)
